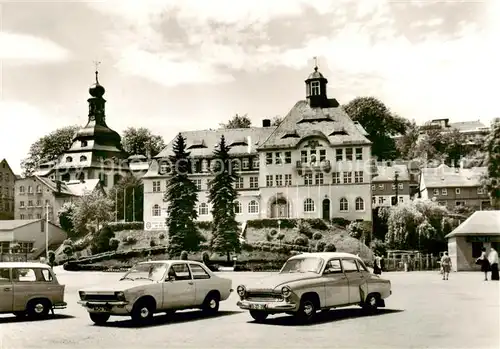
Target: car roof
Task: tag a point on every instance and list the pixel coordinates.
(23, 265)
(327, 255)
(170, 261)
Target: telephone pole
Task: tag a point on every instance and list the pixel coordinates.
(396, 183)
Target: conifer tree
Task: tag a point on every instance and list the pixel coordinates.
(492, 179)
(182, 198)
(222, 194)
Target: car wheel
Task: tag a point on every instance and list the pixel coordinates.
(307, 311)
(38, 308)
(258, 316)
(142, 312)
(99, 318)
(370, 304)
(211, 304)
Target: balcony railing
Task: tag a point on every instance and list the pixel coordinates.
(304, 167)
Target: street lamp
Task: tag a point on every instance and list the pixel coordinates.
(279, 226)
(47, 231)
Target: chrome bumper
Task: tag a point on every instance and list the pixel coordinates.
(272, 307)
(60, 305)
(113, 307)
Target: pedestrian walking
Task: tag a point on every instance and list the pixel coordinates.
(446, 265)
(493, 260)
(377, 266)
(485, 264)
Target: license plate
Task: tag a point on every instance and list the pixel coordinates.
(99, 309)
(258, 306)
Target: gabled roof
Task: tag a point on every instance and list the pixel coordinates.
(4, 161)
(444, 176)
(73, 188)
(16, 223)
(332, 124)
(479, 223)
(387, 173)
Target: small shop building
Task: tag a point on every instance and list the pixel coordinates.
(481, 229)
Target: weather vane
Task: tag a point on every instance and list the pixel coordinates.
(315, 61)
(96, 65)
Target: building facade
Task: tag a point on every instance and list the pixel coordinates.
(315, 164)
(391, 182)
(454, 187)
(7, 192)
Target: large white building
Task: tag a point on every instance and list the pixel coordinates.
(315, 164)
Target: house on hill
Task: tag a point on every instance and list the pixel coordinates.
(481, 229)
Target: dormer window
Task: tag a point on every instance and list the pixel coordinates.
(83, 144)
(69, 159)
(315, 89)
(83, 158)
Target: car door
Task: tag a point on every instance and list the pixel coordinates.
(202, 282)
(179, 290)
(336, 284)
(30, 283)
(6, 291)
(355, 279)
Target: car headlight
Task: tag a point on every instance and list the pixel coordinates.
(241, 290)
(120, 296)
(82, 295)
(286, 291)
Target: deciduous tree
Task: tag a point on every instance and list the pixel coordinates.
(238, 121)
(92, 210)
(141, 141)
(65, 219)
(222, 194)
(491, 180)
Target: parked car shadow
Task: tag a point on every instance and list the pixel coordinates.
(162, 319)
(13, 319)
(329, 316)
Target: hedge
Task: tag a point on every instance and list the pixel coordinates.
(120, 226)
(340, 221)
(286, 223)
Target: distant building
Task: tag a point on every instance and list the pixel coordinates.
(384, 186)
(7, 184)
(35, 192)
(313, 165)
(454, 187)
(474, 131)
(22, 240)
(482, 229)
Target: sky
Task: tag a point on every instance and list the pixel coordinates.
(176, 65)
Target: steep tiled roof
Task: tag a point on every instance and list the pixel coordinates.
(480, 223)
(202, 143)
(79, 188)
(386, 173)
(444, 176)
(15, 223)
(332, 124)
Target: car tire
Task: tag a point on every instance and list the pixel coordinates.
(38, 308)
(142, 312)
(211, 304)
(99, 318)
(258, 316)
(370, 304)
(307, 311)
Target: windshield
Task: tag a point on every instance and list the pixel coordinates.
(146, 271)
(302, 265)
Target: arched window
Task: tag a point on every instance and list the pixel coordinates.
(253, 207)
(30, 190)
(344, 205)
(203, 209)
(156, 210)
(237, 207)
(360, 204)
(38, 189)
(308, 205)
(83, 158)
(83, 144)
(69, 159)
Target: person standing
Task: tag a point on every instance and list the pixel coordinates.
(446, 265)
(493, 260)
(377, 267)
(485, 264)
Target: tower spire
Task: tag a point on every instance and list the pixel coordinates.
(96, 65)
(315, 63)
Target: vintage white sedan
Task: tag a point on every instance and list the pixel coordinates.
(309, 282)
(155, 287)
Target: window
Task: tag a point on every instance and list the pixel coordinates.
(104, 178)
(400, 199)
(308, 205)
(308, 179)
(436, 191)
(381, 186)
(197, 182)
(339, 154)
(322, 155)
(269, 158)
(348, 154)
(156, 211)
(269, 180)
(38, 189)
(358, 177)
(4, 275)
(181, 272)
(83, 144)
(277, 158)
(359, 153)
(245, 164)
(347, 177)
(401, 186)
(480, 190)
(21, 203)
(374, 200)
(38, 216)
(198, 272)
(288, 157)
(21, 216)
(21, 189)
(30, 203)
(344, 205)
(253, 207)
(459, 203)
(69, 159)
(374, 186)
(235, 164)
(237, 207)
(349, 265)
(361, 266)
(30, 189)
(457, 191)
(315, 90)
(303, 156)
(238, 184)
(394, 187)
(444, 191)
(336, 178)
(204, 165)
(333, 267)
(38, 203)
(46, 275)
(83, 158)
(288, 180)
(203, 209)
(254, 182)
(360, 204)
(476, 249)
(255, 163)
(156, 187)
(23, 275)
(319, 178)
